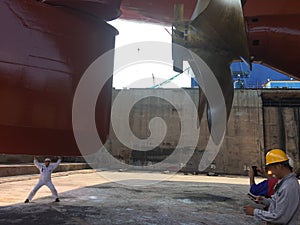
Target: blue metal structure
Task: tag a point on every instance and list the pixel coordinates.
(258, 77)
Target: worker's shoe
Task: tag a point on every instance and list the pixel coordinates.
(26, 201)
(57, 200)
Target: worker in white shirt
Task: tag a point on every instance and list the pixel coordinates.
(284, 205)
(45, 179)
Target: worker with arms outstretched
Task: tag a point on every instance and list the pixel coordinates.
(46, 170)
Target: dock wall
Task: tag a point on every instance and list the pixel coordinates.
(259, 120)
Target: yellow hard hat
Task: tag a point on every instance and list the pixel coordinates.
(276, 156)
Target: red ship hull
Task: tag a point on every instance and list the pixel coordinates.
(155, 11)
(44, 52)
(273, 29)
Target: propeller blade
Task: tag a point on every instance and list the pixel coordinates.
(217, 34)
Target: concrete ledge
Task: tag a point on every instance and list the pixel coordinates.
(23, 169)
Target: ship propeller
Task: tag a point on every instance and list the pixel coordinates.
(217, 34)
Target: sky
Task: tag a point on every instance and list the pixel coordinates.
(148, 74)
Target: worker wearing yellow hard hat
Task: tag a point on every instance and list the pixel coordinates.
(276, 156)
(284, 206)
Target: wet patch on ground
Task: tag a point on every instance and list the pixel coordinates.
(199, 197)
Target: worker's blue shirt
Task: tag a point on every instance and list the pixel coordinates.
(260, 189)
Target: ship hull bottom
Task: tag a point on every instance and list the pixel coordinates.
(35, 141)
(44, 52)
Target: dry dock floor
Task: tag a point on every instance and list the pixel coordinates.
(87, 198)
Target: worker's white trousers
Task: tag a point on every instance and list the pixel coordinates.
(48, 183)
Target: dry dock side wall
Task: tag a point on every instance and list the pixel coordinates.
(281, 116)
(259, 120)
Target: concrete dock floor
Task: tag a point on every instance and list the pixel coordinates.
(88, 198)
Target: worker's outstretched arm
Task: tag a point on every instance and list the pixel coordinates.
(55, 165)
(36, 163)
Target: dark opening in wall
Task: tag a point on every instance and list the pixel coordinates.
(255, 42)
